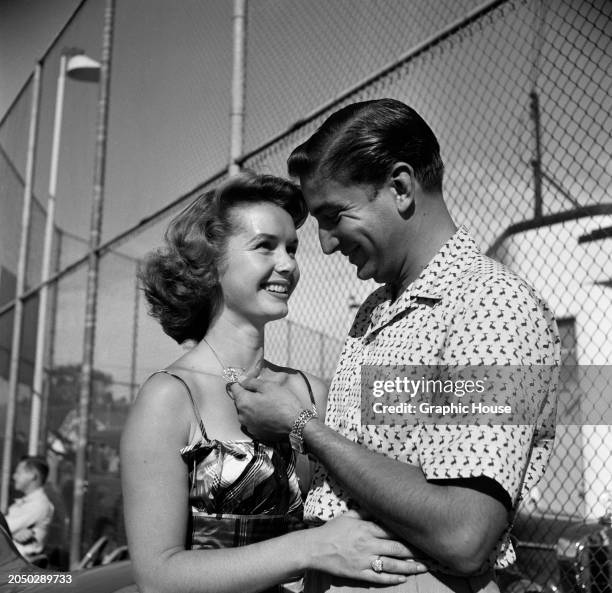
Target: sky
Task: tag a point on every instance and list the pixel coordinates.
(27, 29)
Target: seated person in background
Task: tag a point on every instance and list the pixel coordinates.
(29, 516)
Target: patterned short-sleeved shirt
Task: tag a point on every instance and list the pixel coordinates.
(463, 309)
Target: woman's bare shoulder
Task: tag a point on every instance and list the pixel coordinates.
(166, 385)
(163, 399)
(175, 381)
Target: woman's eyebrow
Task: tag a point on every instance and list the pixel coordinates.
(273, 237)
(270, 237)
(260, 236)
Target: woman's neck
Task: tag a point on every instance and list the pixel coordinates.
(235, 345)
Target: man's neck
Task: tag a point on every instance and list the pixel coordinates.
(426, 246)
(31, 488)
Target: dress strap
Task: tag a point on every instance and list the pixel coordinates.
(196, 411)
(312, 399)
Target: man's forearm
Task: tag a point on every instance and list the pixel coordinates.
(456, 526)
(18, 520)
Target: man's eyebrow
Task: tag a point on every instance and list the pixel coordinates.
(324, 209)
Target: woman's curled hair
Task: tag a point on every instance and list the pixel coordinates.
(180, 280)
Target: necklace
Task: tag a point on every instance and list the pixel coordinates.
(229, 374)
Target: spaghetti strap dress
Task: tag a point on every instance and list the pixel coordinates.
(240, 491)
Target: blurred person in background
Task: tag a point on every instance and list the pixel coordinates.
(372, 178)
(207, 507)
(29, 517)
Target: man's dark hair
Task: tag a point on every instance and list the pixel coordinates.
(37, 464)
(360, 143)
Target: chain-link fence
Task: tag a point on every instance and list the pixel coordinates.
(518, 93)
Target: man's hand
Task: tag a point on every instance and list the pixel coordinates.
(266, 409)
(23, 536)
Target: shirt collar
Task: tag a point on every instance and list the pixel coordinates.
(30, 496)
(454, 257)
(432, 284)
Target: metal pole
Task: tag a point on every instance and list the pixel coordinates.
(43, 298)
(50, 355)
(91, 295)
(536, 162)
(238, 86)
(19, 291)
(135, 334)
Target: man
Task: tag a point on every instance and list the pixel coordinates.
(29, 517)
(372, 178)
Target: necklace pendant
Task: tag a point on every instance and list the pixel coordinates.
(231, 374)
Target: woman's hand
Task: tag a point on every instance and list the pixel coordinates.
(347, 546)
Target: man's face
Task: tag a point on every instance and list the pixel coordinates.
(23, 476)
(358, 221)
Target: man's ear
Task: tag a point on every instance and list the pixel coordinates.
(403, 187)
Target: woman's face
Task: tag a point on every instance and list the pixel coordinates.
(259, 270)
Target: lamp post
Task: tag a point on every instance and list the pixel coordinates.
(74, 65)
(79, 67)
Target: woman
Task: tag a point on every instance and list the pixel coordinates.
(207, 508)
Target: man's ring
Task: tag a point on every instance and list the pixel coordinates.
(377, 564)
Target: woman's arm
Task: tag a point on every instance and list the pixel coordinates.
(155, 489)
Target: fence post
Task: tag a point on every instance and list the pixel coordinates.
(238, 86)
(536, 162)
(135, 334)
(91, 296)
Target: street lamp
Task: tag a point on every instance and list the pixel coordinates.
(77, 66)
(83, 68)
